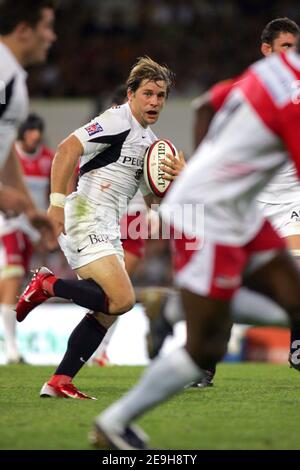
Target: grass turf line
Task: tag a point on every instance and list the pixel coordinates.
(251, 406)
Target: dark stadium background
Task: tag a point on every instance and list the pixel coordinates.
(202, 40)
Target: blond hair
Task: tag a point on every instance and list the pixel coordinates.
(147, 69)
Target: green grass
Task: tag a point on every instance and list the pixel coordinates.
(251, 406)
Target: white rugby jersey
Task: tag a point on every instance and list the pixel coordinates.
(111, 167)
(13, 100)
(249, 140)
(136, 204)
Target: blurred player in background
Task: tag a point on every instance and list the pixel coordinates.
(280, 201)
(27, 33)
(249, 140)
(111, 149)
(18, 238)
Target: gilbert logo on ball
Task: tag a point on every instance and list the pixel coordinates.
(153, 163)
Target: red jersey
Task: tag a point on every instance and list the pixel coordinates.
(249, 140)
(36, 169)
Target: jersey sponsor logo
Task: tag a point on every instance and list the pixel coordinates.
(80, 249)
(93, 239)
(93, 128)
(134, 161)
(227, 282)
(98, 238)
(138, 174)
(295, 215)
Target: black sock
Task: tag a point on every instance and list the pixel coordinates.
(86, 293)
(83, 342)
(211, 368)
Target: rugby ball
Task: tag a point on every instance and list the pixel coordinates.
(153, 163)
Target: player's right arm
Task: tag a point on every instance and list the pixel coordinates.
(63, 167)
(11, 200)
(12, 174)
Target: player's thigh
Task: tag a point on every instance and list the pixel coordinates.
(12, 265)
(10, 289)
(110, 274)
(293, 243)
(279, 279)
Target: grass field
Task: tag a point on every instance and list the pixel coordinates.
(251, 406)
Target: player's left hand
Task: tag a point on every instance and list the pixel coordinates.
(173, 166)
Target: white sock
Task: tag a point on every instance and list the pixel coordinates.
(173, 311)
(9, 327)
(164, 377)
(249, 306)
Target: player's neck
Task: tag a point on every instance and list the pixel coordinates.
(13, 45)
(26, 150)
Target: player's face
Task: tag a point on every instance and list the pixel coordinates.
(283, 42)
(147, 101)
(40, 38)
(31, 140)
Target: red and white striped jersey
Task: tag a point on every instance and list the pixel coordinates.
(36, 169)
(249, 140)
(219, 92)
(285, 186)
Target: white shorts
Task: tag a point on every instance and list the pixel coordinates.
(91, 233)
(285, 217)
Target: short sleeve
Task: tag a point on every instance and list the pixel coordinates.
(220, 91)
(104, 130)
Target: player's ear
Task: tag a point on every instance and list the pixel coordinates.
(266, 49)
(23, 30)
(129, 94)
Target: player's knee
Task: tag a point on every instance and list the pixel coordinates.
(122, 305)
